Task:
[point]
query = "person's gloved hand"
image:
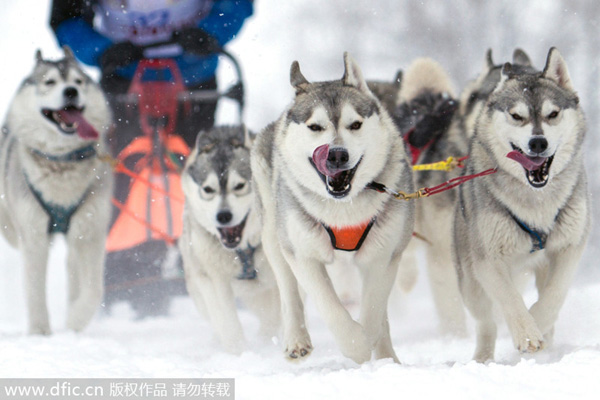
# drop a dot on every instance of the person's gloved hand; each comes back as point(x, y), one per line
point(196, 41)
point(120, 55)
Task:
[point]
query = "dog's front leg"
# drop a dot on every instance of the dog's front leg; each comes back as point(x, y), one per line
point(378, 279)
point(494, 276)
point(85, 265)
point(349, 334)
point(553, 290)
point(444, 287)
point(35, 255)
point(220, 304)
point(296, 340)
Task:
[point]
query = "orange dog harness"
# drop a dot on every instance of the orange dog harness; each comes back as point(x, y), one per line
point(349, 238)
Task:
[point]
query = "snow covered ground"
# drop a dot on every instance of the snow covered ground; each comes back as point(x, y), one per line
point(182, 344)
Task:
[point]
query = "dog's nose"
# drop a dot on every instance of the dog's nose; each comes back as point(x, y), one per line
point(538, 145)
point(224, 217)
point(70, 92)
point(337, 158)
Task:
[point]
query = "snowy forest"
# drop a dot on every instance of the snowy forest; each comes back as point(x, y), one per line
point(383, 36)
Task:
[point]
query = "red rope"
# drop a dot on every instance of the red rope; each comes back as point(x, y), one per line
point(120, 168)
point(452, 183)
point(167, 238)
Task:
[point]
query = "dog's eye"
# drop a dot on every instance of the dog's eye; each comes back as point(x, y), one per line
point(315, 127)
point(208, 190)
point(552, 115)
point(355, 126)
point(516, 117)
point(50, 82)
point(78, 81)
point(239, 186)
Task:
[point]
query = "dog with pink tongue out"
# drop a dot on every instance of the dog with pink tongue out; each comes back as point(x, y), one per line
point(53, 183)
point(312, 170)
point(532, 217)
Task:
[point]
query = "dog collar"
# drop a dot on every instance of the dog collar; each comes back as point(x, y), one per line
point(76, 155)
point(349, 238)
point(538, 237)
point(247, 259)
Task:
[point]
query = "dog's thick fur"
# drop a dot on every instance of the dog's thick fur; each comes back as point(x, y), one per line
point(298, 200)
point(490, 248)
point(31, 166)
point(425, 109)
point(219, 220)
point(431, 120)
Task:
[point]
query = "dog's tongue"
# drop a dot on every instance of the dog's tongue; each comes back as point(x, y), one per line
point(320, 159)
point(84, 129)
point(530, 164)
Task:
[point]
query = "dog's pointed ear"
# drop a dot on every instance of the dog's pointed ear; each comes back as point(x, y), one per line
point(353, 75)
point(521, 58)
point(505, 75)
point(556, 69)
point(489, 61)
point(199, 138)
point(38, 56)
point(201, 145)
point(298, 80)
point(68, 53)
point(248, 138)
point(398, 79)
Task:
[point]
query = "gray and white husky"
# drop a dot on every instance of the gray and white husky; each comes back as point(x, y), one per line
point(435, 126)
point(220, 242)
point(533, 214)
point(313, 169)
point(53, 182)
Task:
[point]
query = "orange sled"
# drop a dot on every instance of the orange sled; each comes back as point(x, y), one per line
point(142, 239)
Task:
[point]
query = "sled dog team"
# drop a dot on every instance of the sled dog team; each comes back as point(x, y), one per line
point(266, 213)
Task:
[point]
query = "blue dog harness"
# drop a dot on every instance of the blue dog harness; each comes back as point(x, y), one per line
point(538, 237)
point(247, 260)
point(60, 216)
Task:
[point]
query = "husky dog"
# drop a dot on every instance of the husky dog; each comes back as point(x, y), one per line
point(53, 182)
point(426, 106)
point(433, 124)
point(534, 213)
point(220, 242)
point(313, 169)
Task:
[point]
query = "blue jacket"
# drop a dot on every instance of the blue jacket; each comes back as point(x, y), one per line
point(72, 22)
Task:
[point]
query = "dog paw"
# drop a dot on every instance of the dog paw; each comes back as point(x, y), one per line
point(298, 350)
point(234, 348)
point(355, 345)
point(40, 330)
point(530, 343)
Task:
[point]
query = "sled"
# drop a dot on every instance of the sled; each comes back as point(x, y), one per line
point(144, 264)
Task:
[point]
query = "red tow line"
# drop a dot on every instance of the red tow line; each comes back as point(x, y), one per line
point(426, 192)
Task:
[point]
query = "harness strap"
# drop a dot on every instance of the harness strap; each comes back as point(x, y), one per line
point(60, 217)
point(538, 237)
point(349, 238)
point(247, 258)
point(76, 155)
point(426, 192)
